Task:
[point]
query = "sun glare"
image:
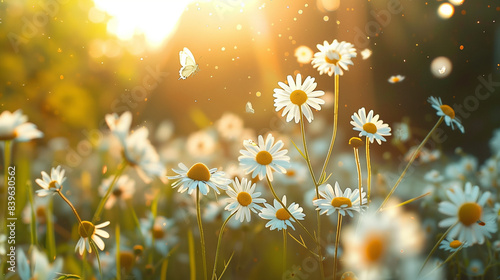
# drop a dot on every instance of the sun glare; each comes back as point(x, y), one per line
point(154, 19)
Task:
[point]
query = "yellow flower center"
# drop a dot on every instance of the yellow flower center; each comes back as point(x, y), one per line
point(264, 158)
point(395, 79)
point(244, 199)
point(370, 127)
point(127, 260)
point(332, 61)
point(138, 249)
point(356, 142)
point(469, 213)
point(447, 110)
point(339, 201)
point(455, 244)
point(282, 214)
point(52, 185)
point(86, 229)
point(9, 136)
point(298, 97)
point(157, 232)
point(199, 172)
point(374, 248)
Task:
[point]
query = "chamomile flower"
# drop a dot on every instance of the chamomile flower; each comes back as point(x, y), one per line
point(141, 155)
point(334, 57)
point(243, 199)
point(466, 208)
point(51, 184)
point(88, 230)
point(199, 176)
point(279, 217)
point(264, 158)
point(452, 245)
point(230, 126)
point(119, 125)
point(304, 54)
point(298, 96)
point(14, 126)
point(370, 126)
point(396, 79)
point(160, 229)
point(123, 190)
point(447, 112)
point(344, 202)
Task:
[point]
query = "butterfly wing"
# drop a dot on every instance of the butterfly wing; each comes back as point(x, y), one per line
point(189, 66)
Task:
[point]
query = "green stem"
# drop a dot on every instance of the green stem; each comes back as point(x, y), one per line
point(288, 211)
point(34, 238)
point(118, 268)
point(50, 237)
point(335, 121)
point(134, 216)
point(202, 236)
point(218, 244)
point(284, 251)
point(435, 246)
point(308, 160)
point(413, 157)
point(164, 266)
point(358, 168)
point(337, 238)
point(369, 169)
point(97, 214)
point(71, 206)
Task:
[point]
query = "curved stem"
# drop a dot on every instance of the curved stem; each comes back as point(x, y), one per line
point(288, 211)
point(108, 192)
point(335, 121)
point(413, 157)
point(435, 246)
point(369, 169)
point(70, 205)
point(202, 236)
point(309, 165)
point(358, 168)
point(218, 244)
point(337, 239)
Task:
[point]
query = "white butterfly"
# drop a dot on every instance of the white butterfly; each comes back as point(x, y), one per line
point(189, 66)
point(249, 108)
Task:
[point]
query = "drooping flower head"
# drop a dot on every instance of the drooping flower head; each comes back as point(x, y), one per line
point(370, 126)
point(298, 96)
point(243, 199)
point(334, 57)
point(199, 176)
point(14, 126)
point(444, 110)
point(51, 184)
point(279, 217)
point(466, 208)
point(336, 200)
point(88, 230)
point(264, 158)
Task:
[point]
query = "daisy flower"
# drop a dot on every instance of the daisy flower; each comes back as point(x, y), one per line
point(201, 144)
point(141, 155)
point(344, 202)
point(88, 230)
point(119, 125)
point(42, 268)
point(447, 112)
point(279, 217)
point(243, 199)
point(396, 79)
point(160, 229)
point(14, 126)
point(366, 53)
point(297, 95)
point(332, 58)
point(230, 126)
point(199, 176)
point(53, 183)
point(451, 245)
point(123, 190)
point(264, 158)
point(370, 126)
point(304, 54)
point(466, 209)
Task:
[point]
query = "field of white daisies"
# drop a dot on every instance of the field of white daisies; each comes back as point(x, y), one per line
point(273, 206)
